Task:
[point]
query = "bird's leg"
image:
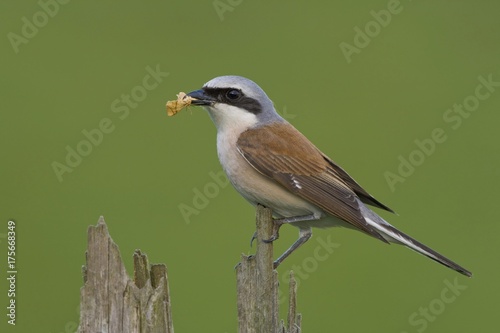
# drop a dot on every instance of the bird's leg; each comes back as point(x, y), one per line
point(304, 235)
point(279, 222)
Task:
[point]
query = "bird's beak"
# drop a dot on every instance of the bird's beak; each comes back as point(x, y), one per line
point(200, 98)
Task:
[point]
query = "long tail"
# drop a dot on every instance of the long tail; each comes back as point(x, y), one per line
point(394, 235)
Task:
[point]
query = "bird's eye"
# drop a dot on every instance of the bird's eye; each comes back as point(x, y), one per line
point(233, 94)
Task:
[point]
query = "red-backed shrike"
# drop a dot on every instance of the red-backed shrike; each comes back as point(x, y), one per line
point(271, 163)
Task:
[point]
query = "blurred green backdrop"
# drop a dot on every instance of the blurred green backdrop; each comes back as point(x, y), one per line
point(363, 80)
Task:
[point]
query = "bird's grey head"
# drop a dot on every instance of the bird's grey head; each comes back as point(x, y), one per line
point(235, 101)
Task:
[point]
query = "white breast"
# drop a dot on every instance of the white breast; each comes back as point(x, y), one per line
point(252, 185)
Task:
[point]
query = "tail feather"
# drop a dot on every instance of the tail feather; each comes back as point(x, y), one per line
point(394, 235)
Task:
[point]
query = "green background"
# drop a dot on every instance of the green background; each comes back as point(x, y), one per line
point(363, 114)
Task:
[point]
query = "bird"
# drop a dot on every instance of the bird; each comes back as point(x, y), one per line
point(270, 163)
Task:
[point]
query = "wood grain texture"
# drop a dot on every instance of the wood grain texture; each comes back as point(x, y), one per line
point(113, 302)
point(257, 287)
point(110, 301)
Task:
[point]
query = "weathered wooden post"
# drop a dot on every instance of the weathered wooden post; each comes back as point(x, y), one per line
point(257, 287)
point(110, 301)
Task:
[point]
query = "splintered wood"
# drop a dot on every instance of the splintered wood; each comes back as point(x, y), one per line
point(110, 301)
point(182, 101)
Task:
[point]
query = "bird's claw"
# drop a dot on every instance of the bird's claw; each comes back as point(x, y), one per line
point(271, 239)
point(276, 234)
point(276, 227)
point(254, 237)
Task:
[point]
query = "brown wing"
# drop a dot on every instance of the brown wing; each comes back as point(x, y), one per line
point(283, 154)
point(360, 192)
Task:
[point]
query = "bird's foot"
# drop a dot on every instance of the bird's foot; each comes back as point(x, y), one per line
point(277, 223)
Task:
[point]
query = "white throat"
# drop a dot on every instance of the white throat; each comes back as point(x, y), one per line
point(231, 120)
